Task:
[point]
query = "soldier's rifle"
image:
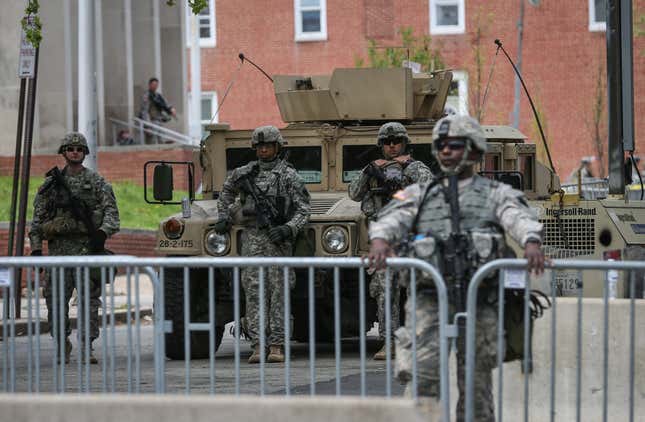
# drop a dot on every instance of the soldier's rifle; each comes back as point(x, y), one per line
point(267, 214)
point(79, 208)
point(456, 247)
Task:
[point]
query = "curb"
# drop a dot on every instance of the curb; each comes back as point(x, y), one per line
point(22, 325)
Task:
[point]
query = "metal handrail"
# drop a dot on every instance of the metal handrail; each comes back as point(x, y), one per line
point(146, 127)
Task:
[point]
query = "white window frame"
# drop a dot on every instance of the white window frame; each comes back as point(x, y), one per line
point(212, 95)
point(594, 25)
point(310, 36)
point(436, 29)
point(203, 42)
point(461, 77)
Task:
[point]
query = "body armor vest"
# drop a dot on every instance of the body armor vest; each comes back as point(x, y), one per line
point(477, 218)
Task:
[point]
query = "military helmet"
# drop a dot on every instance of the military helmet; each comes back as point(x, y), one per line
point(267, 135)
point(392, 130)
point(454, 126)
point(74, 139)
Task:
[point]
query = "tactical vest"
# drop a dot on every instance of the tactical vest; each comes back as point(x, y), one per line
point(396, 176)
point(477, 220)
point(269, 184)
point(60, 220)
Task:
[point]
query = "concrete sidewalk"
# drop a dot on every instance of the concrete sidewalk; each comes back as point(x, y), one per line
point(120, 309)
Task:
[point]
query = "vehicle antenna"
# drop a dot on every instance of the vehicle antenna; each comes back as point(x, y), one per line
point(490, 77)
point(537, 119)
point(243, 57)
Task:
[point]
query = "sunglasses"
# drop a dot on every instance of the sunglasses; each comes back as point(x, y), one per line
point(75, 149)
point(452, 144)
point(392, 141)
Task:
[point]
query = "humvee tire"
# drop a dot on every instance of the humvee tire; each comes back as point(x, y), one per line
point(174, 312)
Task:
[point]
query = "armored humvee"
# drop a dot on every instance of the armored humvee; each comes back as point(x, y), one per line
point(332, 122)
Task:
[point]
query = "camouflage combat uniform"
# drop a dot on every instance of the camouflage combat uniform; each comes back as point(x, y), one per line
point(54, 222)
point(279, 182)
point(362, 189)
point(481, 202)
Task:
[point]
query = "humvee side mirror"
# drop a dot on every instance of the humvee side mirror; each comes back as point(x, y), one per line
point(163, 181)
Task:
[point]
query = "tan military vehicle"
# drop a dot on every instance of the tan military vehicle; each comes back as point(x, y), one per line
point(332, 123)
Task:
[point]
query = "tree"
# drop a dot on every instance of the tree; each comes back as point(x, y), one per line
point(417, 49)
point(481, 24)
point(33, 26)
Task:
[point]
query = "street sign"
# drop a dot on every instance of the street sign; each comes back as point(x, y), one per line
point(27, 61)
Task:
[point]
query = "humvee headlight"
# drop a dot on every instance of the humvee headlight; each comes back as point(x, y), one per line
point(217, 244)
point(334, 239)
point(173, 228)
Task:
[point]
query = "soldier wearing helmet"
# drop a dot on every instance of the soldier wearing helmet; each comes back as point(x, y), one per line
point(273, 206)
point(75, 212)
point(488, 210)
point(374, 188)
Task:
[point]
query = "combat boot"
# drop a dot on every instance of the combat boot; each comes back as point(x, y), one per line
point(93, 360)
point(68, 350)
point(255, 357)
point(382, 354)
point(276, 355)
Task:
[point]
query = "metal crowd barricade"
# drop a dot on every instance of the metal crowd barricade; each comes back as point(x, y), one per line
point(236, 264)
point(47, 355)
point(156, 269)
point(520, 264)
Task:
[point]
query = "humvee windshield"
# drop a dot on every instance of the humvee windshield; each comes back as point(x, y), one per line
point(355, 157)
point(306, 160)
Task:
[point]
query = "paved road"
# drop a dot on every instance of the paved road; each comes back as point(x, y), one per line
point(127, 377)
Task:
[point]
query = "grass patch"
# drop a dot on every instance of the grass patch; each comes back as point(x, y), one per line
point(135, 213)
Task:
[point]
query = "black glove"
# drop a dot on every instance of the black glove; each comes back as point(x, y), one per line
point(37, 252)
point(374, 171)
point(222, 226)
point(280, 233)
point(97, 241)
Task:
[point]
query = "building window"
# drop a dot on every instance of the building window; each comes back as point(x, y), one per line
point(457, 101)
point(206, 20)
point(209, 108)
point(310, 20)
point(447, 17)
point(597, 15)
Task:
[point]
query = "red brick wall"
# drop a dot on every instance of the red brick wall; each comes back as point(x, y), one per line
point(116, 164)
point(125, 242)
point(560, 59)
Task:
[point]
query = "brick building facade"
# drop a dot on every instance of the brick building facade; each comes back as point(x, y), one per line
point(564, 56)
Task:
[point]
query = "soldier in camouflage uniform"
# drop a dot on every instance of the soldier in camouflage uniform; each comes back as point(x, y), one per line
point(273, 207)
point(488, 209)
point(54, 221)
point(374, 188)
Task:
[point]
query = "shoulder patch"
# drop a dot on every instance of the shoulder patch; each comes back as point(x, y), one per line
point(401, 195)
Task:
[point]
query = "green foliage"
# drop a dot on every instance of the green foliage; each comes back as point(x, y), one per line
point(135, 213)
point(195, 5)
point(417, 49)
point(639, 25)
point(31, 24)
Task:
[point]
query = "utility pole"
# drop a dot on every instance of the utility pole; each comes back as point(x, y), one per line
point(87, 121)
point(620, 93)
point(518, 64)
